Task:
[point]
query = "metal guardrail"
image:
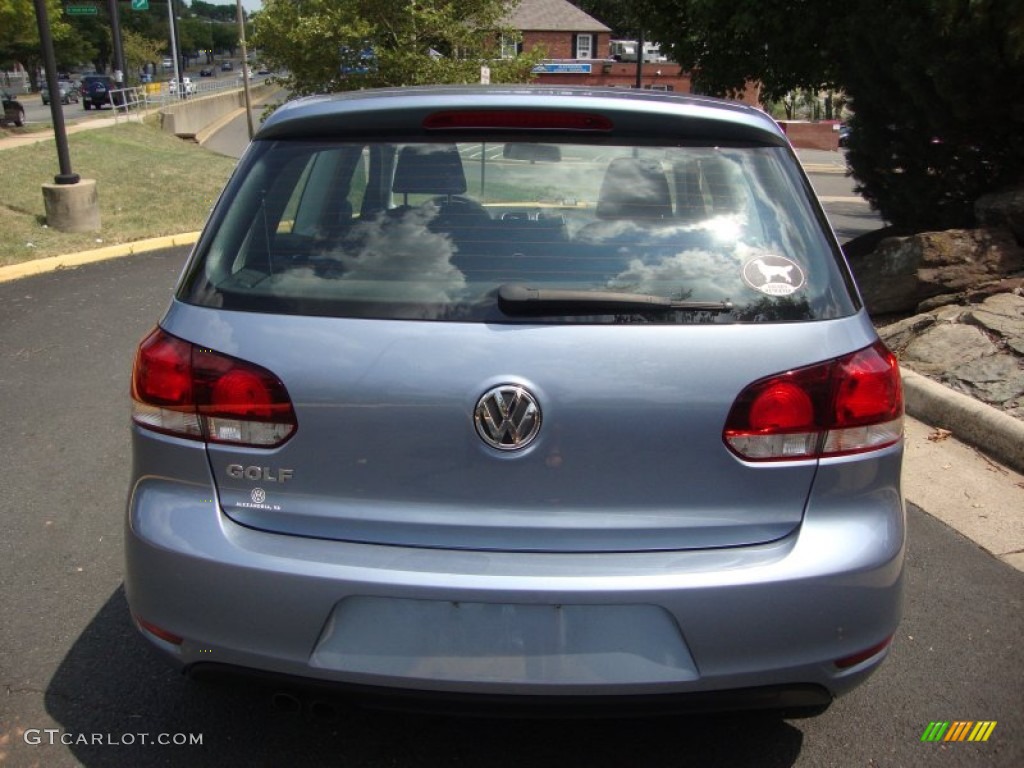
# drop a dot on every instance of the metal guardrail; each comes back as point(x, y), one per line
point(131, 103)
point(165, 92)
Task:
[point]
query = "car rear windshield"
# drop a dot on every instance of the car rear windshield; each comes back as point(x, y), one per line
point(486, 231)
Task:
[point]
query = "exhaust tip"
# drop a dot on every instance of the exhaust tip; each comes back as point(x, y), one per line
point(286, 703)
point(323, 710)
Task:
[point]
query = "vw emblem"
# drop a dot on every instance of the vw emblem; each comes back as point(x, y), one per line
point(507, 417)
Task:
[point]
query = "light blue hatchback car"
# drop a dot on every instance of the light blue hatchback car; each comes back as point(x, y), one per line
point(529, 395)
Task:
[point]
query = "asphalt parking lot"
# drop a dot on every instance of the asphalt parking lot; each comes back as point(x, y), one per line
point(78, 687)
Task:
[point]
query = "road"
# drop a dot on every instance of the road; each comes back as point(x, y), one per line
point(36, 112)
point(70, 659)
point(849, 213)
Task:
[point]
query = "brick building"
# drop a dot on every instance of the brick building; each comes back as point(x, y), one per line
point(564, 30)
point(577, 48)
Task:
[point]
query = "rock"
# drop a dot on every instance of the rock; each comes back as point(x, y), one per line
point(1007, 304)
point(898, 335)
point(864, 245)
point(1002, 209)
point(998, 379)
point(1006, 285)
point(1002, 316)
point(947, 347)
point(943, 300)
point(977, 349)
point(905, 271)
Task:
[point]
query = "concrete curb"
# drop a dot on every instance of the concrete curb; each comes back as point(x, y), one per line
point(53, 263)
point(986, 428)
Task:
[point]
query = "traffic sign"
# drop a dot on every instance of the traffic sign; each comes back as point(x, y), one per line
point(81, 10)
point(140, 5)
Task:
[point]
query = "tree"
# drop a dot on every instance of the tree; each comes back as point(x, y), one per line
point(623, 16)
point(19, 33)
point(935, 86)
point(138, 51)
point(225, 36)
point(222, 12)
point(95, 32)
point(337, 45)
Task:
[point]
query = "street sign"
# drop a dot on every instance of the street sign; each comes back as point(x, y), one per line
point(564, 69)
point(81, 10)
point(140, 5)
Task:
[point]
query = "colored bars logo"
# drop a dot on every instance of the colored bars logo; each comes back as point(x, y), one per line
point(959, 730)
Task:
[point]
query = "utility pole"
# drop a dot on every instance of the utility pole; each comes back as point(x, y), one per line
point(245, 68)
point(640, 60)
point(174, 48)
point(115, 32)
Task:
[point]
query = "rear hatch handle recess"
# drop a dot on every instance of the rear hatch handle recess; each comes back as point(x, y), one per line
point(516, 299)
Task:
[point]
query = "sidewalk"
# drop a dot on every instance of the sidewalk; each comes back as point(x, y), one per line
point(971, 493)
point(21, 140)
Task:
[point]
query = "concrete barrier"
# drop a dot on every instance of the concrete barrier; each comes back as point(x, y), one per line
point(187, 118)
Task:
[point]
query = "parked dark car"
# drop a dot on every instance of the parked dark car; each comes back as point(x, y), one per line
point(844, 135)
point(98, 90)
point(14, 112)
point(207, 72)
point(68, 93)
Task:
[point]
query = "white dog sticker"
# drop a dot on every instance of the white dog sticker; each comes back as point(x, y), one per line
point(773, 275)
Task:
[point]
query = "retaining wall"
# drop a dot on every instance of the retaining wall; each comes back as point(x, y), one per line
point(188, 117)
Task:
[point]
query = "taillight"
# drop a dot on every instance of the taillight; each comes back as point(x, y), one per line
point(184, 390)
point(517, 119)
point(847, 405)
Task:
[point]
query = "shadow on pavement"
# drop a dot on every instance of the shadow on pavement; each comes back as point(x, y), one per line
point(110, 687)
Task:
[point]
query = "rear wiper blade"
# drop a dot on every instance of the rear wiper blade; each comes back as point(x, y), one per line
point(515, 299)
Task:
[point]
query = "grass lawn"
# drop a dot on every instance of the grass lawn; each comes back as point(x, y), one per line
point(149, 183)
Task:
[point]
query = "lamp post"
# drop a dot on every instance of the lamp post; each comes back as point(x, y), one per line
point(56, 111)
point(71, 202)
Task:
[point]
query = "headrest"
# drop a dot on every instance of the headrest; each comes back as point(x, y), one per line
point(634, 189)
point(431, 169)
point(707, 187)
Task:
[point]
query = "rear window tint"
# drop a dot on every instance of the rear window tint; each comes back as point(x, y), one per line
point(433, 230)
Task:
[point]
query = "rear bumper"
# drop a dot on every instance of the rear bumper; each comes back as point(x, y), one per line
point(773, 617)
point(323, 698)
